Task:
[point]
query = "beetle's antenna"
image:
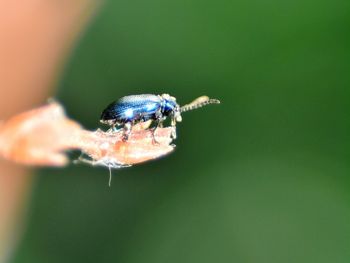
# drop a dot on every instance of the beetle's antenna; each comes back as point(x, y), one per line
point(199, 102)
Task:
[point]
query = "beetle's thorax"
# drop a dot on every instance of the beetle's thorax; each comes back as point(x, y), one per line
point(167, 104)
point(170, 107)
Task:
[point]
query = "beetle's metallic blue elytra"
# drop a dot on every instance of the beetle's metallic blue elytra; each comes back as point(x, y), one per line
point(133, 109)
point(137, 108)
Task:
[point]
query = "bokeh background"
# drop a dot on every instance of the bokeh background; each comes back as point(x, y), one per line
point(264, 177)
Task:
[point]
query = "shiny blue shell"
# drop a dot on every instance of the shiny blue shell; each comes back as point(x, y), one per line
point(137, 108)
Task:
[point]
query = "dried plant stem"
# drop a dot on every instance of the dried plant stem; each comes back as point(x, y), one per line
point(41, 137)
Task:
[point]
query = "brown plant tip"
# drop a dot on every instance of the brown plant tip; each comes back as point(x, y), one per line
point(43, 135)
point(108, 148)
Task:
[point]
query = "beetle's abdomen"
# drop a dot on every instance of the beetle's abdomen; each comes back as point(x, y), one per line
point(132, 108)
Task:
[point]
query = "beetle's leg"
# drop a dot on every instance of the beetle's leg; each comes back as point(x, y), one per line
point(173, 125)
point(154, 140)
point(112, 129)
point(159, 118)
point(127, 131)
point(159, 124)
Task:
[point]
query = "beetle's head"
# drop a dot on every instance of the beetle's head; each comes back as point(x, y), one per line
point(171, 107)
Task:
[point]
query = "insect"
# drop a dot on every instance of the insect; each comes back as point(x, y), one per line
point(133, 109)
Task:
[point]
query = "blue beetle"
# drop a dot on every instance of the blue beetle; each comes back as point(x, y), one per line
point(133, 109)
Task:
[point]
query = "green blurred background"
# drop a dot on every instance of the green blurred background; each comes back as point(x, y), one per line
point(264, 177)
